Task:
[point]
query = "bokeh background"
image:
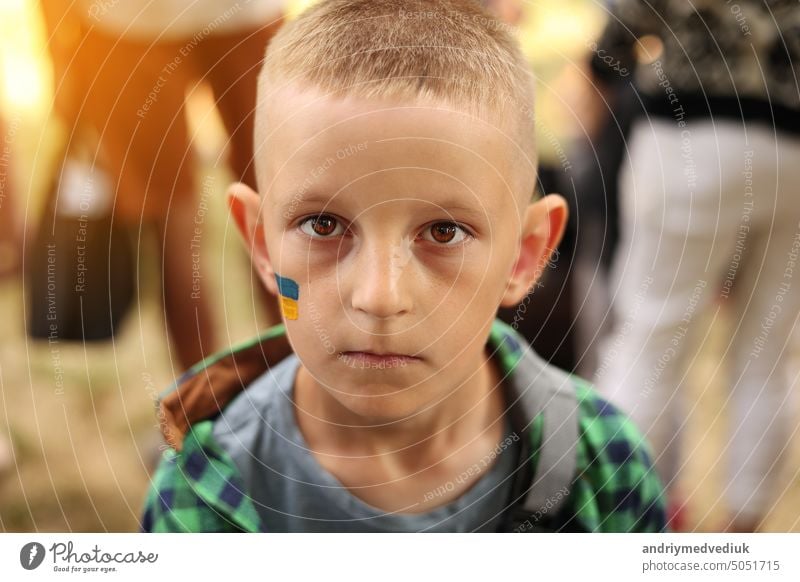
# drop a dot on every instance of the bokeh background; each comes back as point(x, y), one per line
point(78, 421)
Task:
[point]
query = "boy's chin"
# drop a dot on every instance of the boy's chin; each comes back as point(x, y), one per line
point(382, 408)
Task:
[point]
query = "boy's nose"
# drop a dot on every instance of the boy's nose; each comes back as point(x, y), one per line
point(379, 282)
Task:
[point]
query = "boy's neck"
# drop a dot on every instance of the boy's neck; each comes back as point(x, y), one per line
point(474, 410)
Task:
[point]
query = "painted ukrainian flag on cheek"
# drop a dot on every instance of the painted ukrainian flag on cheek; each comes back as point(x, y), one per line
point(289, 293)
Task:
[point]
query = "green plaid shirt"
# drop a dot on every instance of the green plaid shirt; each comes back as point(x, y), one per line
point(615, 489)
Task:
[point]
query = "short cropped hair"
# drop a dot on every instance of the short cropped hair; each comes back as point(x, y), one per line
point(448, 51)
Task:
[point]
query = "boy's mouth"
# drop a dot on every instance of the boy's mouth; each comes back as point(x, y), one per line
point(377, 360)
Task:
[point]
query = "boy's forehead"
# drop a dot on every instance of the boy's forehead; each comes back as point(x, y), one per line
point(310, 135)
point(307, 113)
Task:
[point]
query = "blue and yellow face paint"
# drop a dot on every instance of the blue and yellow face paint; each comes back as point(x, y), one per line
point(289, 293)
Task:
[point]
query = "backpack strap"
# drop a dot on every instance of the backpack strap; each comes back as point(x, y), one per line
point(545, 389)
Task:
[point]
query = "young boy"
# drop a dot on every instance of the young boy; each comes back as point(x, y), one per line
point(395, 152)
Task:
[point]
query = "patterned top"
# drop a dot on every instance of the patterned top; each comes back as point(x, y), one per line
point(736, 59)
point(197, 486)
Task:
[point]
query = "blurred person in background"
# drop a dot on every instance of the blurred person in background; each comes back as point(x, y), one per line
point(709, 215)
point(596, 160)
point(124, 69)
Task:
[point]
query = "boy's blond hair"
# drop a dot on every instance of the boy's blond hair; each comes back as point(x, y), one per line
point(447, 51)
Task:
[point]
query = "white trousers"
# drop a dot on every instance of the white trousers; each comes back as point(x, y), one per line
point(710, 223)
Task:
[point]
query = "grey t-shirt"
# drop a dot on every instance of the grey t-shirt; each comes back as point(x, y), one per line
point(294, 493)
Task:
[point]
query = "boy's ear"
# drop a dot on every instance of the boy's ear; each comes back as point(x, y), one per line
point(542, 228)
point(245, 205)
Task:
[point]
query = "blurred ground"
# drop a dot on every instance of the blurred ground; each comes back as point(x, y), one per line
point(705, 441)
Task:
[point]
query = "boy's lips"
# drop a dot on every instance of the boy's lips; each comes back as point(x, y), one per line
point(387, 359)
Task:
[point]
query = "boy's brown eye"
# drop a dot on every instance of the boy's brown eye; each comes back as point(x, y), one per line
point(322, 225)
point(445, 233)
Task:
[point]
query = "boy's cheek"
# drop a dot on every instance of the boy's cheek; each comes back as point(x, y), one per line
point(309, 262)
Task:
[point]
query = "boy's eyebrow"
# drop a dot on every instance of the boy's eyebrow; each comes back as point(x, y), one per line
point(307, 196)
point(476, 213)
point(445, 204)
